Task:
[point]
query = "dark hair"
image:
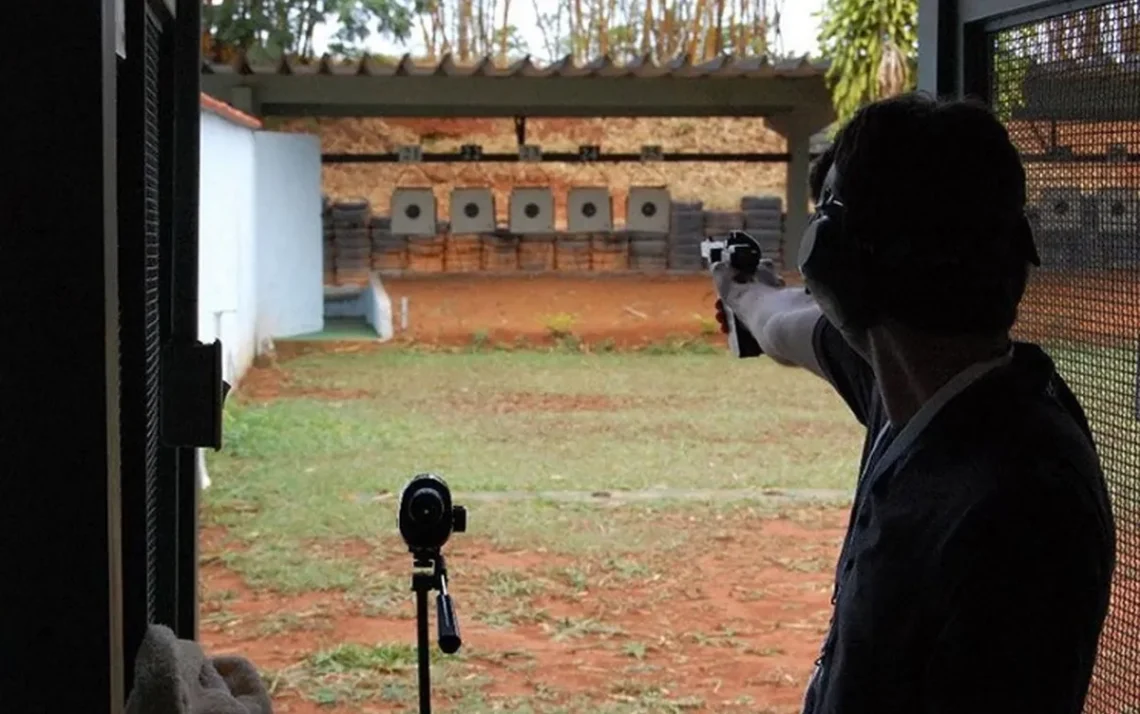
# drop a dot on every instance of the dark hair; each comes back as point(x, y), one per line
point(818, 172)
point(937, 188)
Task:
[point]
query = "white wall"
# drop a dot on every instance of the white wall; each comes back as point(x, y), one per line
point(227, 230)
point(259, 252)
point(290, 288)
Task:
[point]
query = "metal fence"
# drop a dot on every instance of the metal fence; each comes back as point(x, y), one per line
point(1068, 87)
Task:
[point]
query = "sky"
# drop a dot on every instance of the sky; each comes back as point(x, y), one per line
point(798, 25)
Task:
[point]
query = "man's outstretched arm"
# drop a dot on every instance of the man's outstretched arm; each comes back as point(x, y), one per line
point(782, 319)
point(792, 329)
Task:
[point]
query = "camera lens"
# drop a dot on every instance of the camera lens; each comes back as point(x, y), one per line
point(426, 507)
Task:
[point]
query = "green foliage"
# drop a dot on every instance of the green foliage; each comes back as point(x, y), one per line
point(856, 36)
point(560, 324)
point(268, 29)
point(1014, 61)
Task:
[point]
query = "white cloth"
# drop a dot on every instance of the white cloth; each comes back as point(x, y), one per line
point(174, 676)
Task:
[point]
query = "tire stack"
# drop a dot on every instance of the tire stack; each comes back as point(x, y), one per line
point(426, 254)
point(572, 252)
point(500, 252)
point(328, 245)
point(764, 221)
point(389, 252)
point(536, 252)
point(352, 245)
point(686, 221)
point(609, 252)
point(648, 252)
point(719, 223)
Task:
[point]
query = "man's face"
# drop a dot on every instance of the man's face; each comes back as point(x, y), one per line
point(856, 337)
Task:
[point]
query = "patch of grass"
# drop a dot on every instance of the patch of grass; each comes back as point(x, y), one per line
point(281, 622)
point(559, 324)
point(352, 672)
point(637, 650)
point(708, 325)
point(298, 475)
point(480, 339)
point(569, 628)
point(282, 566)
point(352, 657)
point(605, 345)
point(511, 584)
point(682, 345)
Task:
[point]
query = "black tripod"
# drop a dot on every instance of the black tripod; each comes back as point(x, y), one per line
point(427, 518)
point(430, 573)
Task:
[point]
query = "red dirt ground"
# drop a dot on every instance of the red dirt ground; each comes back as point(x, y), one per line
point(628, 310)
point(742, 615)
point(632, 311)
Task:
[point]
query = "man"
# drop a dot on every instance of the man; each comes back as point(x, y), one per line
point(975, 574)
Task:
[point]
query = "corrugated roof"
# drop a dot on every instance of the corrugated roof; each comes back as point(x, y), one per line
point(681, 67)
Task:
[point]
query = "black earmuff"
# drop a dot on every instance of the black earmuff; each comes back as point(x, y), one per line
point(834, 263)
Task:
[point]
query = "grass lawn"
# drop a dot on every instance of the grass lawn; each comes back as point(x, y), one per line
point(624, 553)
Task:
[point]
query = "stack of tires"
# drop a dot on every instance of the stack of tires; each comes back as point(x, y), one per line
point(572, 252)
point(352, 245)
point(764, 221)
point(686, 222)
point(648, 252)
point(719, 223)
point(389, 252)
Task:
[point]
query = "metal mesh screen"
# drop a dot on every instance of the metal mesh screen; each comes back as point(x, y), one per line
point(151, 327)
point(1069, 90)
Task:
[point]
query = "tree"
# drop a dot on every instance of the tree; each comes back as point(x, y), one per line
point(873, 49)
point(661, 29)
point(269, 29)
point(624, 30)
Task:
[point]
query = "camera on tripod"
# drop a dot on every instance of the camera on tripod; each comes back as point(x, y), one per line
point(427, 518)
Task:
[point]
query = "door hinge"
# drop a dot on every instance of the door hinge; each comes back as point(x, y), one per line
point(193, 394)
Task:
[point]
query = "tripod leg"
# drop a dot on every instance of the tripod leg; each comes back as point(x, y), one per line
point(424, 645)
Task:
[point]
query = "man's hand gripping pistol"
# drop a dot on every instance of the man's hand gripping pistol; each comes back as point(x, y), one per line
point(742, 253)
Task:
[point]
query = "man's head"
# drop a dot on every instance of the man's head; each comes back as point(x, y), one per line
point(935, 192)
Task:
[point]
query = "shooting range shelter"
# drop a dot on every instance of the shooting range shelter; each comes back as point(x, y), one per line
point(99, 285)
point(791, 97)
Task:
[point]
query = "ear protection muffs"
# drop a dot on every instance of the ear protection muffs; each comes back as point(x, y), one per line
point(837, 267)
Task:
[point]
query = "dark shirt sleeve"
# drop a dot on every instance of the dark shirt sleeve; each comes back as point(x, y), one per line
point(1026, 594)
point(845, 368)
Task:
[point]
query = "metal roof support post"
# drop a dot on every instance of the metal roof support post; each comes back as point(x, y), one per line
point(797, 129)
point(796, 189)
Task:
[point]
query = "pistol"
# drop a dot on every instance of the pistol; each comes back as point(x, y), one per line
point(742, 252)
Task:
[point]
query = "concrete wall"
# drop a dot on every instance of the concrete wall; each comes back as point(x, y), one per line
point(259, 256)
point(290, 290)
point(227, 220)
